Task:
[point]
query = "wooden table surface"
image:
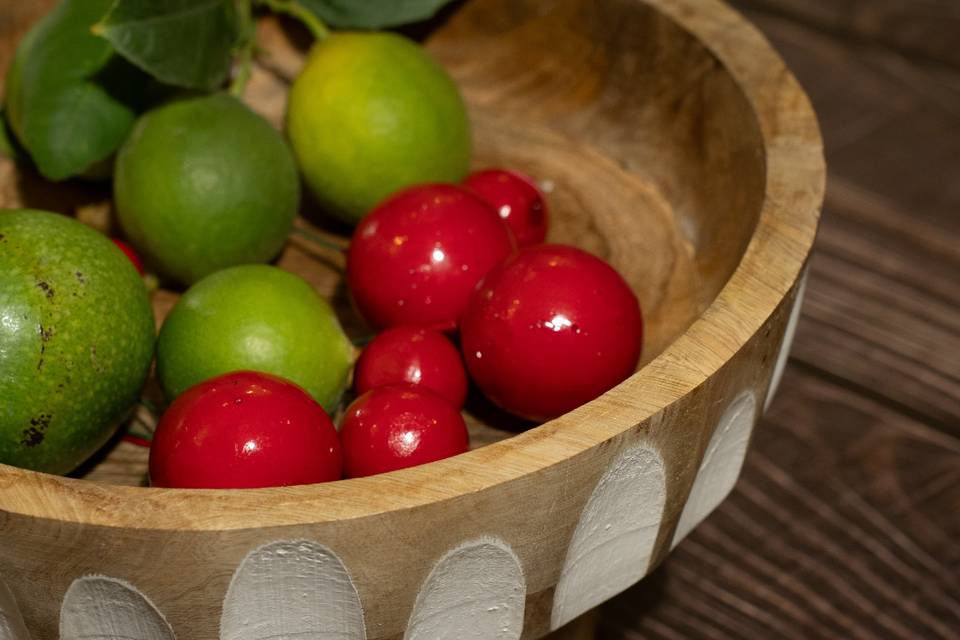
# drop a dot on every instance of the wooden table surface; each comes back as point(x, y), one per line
point(846, 520)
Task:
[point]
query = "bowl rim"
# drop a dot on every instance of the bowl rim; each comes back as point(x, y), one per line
point(772, 262)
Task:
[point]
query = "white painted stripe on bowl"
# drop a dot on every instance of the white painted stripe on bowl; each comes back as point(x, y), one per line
point(784, 353)
point(292, 589)
point(477, 591)
point(614, 541)
point(12, 626)
point(104, 608)
point(721, 463)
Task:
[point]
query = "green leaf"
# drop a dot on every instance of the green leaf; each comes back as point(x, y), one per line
point(187, 43)
point(59, 103)
point(372, 14)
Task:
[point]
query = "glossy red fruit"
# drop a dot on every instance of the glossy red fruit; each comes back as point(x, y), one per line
point(417, 256)
point(130, 253)
point(415, 356)
point(241, 430)
point(391, 428)
point(517, 200)
point(550, 329)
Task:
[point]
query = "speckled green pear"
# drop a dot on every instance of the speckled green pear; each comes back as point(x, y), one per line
point(76, 340)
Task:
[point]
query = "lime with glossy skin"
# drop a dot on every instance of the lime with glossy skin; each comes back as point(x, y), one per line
point(205, 183)
point(76, 340)
point(371, 113)
point(254, 318)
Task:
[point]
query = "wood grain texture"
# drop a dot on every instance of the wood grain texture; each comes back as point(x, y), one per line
point(845, 521)
point(681, 149)
point(922, 28)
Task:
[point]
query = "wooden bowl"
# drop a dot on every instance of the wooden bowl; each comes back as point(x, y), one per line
point(674, 143)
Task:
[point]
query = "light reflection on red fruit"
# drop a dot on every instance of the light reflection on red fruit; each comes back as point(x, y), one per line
point(550, 329)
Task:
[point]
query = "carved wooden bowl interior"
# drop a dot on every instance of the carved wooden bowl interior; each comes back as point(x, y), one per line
point(672, 142)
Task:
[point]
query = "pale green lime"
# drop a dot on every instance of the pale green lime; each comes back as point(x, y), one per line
point(371, 113)
point(257, 318)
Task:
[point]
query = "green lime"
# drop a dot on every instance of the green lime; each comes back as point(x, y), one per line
point(257, 318)
point(76, 340)
point(205, 183)
point(371, 113)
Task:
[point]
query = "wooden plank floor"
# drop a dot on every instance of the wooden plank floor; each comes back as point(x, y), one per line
point(846, 521)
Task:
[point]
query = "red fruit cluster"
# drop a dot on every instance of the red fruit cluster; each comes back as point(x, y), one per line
point(249, 429)
point(542, 329)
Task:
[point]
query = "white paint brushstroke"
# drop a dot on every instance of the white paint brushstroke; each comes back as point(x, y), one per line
point(477, 591)
point(103, 608)
point(784, 353)
point(12, 626)
point(292, 589)
point(721, 463)
point(613, 543)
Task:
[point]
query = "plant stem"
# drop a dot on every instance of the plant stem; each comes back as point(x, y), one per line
point(154, 410)
point(296, 10)
point(248, 32)
point(137, 440)
point(363, 341)
point(244, 68)
point(317, 239)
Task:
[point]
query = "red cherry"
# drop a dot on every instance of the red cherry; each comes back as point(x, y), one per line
point(550, 329)
point(130, 253)
point(414, 356)
point(417, 256)
point(391, 428)
point(244, 429)
point(517, 199)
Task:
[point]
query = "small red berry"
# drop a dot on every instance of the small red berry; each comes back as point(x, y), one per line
point(550, 329)
point(414, 356)
point(518, 201)
point(244, 429)
point(391, 428)
point(417, 256)
point(130, 253)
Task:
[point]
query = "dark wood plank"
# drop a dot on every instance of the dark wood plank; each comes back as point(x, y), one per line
point(923, 28)
point(883, 308)
point(845, 521)
point(844, 524)
point(882, 311)
point(889, 124)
